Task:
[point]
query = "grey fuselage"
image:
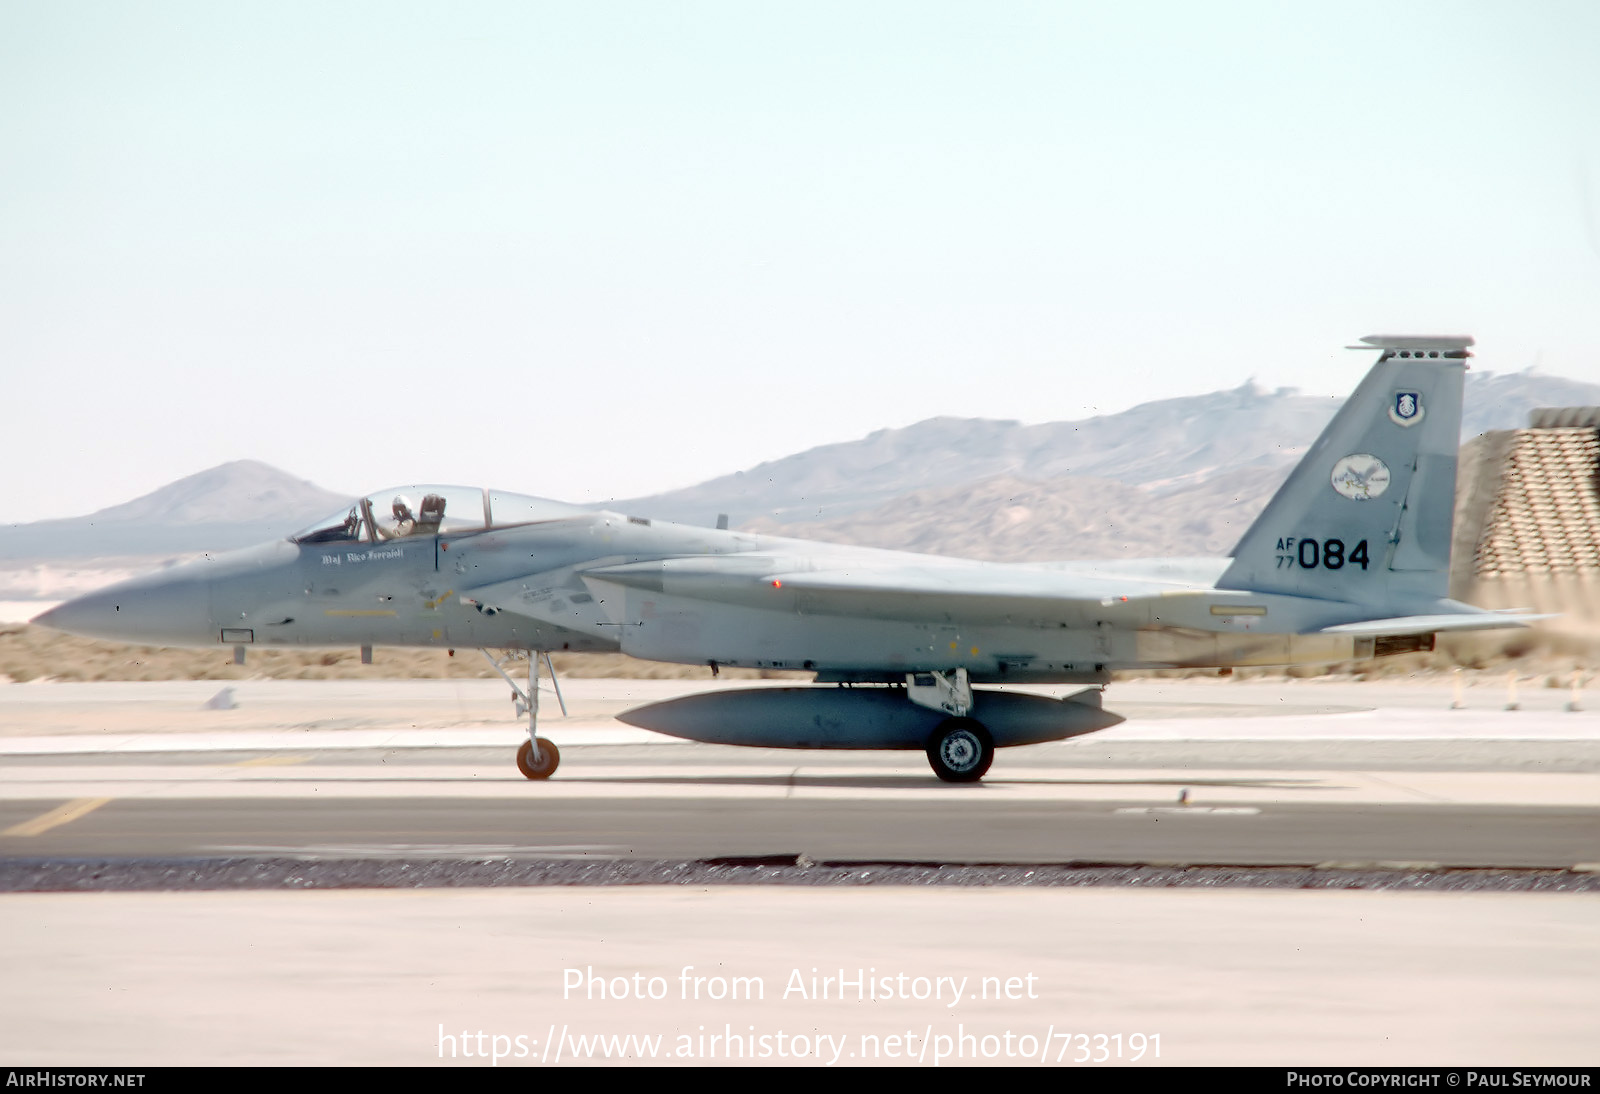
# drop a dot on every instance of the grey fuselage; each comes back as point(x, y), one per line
point(535, 586)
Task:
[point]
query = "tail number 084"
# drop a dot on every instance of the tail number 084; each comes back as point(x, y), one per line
point(1327, 554)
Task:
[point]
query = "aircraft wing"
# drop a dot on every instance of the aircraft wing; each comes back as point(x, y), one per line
point(978, 594)
point(970, 593)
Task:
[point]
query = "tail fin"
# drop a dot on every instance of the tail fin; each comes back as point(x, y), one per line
point(1366, 516)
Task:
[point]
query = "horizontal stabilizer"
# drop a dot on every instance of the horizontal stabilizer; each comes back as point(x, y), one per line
point(1425, 624)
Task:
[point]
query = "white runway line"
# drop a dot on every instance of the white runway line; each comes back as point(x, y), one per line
point(902, 780)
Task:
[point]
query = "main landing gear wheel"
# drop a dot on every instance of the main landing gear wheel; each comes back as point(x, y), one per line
point(960, 750)
point(549, 759)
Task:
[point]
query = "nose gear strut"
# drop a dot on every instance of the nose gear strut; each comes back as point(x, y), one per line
point(538, 757)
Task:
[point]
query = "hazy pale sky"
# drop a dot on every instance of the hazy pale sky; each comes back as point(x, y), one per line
point(594, 250)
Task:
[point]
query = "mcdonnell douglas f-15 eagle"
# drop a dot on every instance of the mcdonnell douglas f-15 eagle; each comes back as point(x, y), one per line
point(1350, 559)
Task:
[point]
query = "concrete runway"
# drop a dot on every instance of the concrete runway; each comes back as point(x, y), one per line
point(1302, 772)
point(845, 815)
point(1242, 774)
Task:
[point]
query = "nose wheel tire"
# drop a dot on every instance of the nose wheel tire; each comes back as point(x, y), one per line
point(960, 750)
point(549, 759)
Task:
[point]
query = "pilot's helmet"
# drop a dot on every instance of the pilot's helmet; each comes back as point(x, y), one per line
point(402, 507)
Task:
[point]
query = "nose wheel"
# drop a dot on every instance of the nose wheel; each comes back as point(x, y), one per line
point(542, 768)
point(960, 750)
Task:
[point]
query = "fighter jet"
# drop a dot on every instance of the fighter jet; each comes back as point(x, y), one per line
point(1349, 560)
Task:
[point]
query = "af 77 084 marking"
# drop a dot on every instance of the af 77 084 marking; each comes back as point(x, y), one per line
point(1308, 553)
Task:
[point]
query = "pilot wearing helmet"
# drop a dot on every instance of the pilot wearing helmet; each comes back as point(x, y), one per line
point(405, 522)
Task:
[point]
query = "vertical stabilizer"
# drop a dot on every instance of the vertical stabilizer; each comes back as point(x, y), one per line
point(1366, 515)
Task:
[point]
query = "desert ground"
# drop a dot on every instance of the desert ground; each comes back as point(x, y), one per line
point(1535, 657)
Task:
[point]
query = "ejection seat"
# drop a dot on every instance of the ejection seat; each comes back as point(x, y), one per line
point(430, 515)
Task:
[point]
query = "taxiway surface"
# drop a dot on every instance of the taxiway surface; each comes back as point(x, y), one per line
point(364, 774)
point(1249, 774)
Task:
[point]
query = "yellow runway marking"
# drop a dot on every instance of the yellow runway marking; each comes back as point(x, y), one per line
point(271, 761)
point(61, 814)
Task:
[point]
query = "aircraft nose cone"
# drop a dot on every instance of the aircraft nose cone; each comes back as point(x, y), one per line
point(161, 609)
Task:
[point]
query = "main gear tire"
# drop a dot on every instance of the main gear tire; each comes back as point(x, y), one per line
point(960, 750)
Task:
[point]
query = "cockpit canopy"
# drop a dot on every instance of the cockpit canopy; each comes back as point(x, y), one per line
point(425, 510)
